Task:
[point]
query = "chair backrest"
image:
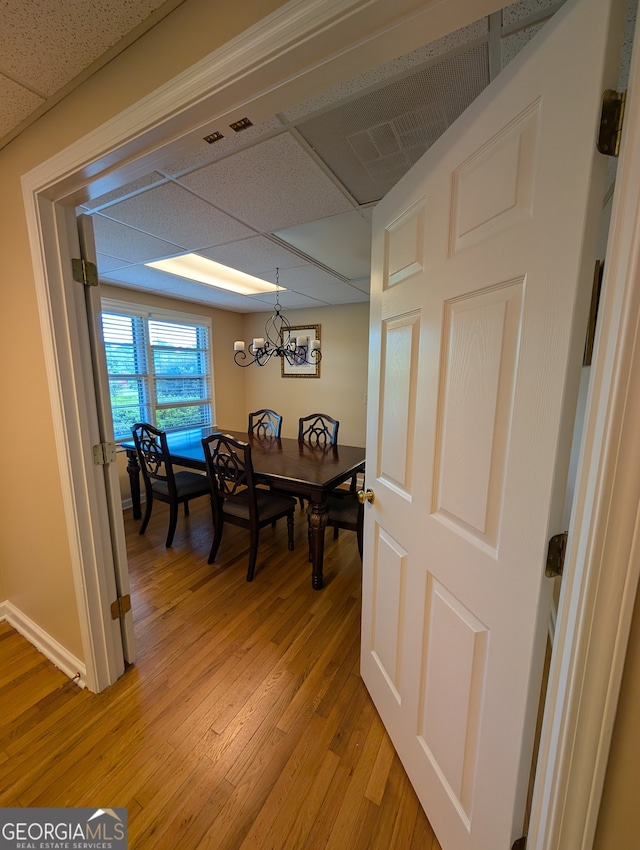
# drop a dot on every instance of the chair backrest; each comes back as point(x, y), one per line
point(265, 423)
point(318, 429)
point(153, 455)
point(230, 470)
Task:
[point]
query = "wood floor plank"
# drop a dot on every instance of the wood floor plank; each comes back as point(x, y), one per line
point(380, 771)
point(243, 725)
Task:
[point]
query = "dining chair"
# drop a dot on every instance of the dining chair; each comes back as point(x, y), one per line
point(236, 499)
point(344, 510)
point(161, 482)
point(318, 429)
point(265, 423)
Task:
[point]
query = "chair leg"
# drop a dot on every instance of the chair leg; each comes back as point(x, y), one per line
point(253, 554)
point(147, 514)
point(290, 530)
point(217, 537)
point(359, 536)
point(186, 507)
point(173, 521)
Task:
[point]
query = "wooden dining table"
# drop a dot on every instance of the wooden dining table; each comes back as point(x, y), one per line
point(311, 472)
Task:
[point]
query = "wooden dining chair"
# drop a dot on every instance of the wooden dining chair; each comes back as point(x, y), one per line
point(344, 510)
point(236, 499)
point(318, 429)
point(265, 423)
point(160, 480)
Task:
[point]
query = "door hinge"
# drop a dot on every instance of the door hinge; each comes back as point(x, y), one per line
point(120, 607)
point(84, 272)
point(555, 555)
point(520, 844)
point(104, 454)
point(611, 119)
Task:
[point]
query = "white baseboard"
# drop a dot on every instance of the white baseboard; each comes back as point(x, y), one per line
point(44, 643)
point(128, 503)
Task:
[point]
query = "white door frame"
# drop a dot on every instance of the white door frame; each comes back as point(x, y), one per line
point(603, 564)
point(594, 614)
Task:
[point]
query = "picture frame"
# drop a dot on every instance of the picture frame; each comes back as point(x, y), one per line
point(301, 370)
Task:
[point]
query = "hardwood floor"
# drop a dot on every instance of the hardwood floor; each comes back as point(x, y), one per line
point(244, 722)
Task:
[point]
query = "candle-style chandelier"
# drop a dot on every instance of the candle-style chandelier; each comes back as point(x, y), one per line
point(278, 342)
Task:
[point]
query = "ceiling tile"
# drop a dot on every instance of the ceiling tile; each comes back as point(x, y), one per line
point(335, 293)
point(288, 300)
point(513, 44)
point(270, 186)
point(191, 291)
point(17, 104)
point(124, 191)
point(45, 43)
point(127, 243)
point(258, 255)
point(342, 241)
point(523, 9)
point(109, 264)
point(370, 142)
point(178, 216)
point(306, 278)
point(139, 275)
point(364, 284)
point(386, 72)
point(231, 143)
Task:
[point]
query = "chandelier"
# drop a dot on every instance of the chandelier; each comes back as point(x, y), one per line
point(278, 342)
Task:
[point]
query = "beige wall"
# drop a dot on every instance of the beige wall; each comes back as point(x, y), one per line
point(35, 568)
point(339, 391)
point(617, 824)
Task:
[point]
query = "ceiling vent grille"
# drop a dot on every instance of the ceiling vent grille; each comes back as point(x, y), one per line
point(369, 155)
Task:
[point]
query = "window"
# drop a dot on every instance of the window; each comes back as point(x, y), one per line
point(159, 367)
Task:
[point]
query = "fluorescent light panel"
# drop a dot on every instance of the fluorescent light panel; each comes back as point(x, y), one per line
point(195, 267)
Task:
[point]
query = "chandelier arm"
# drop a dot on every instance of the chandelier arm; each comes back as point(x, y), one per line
point(242, 355)
point(277, 342)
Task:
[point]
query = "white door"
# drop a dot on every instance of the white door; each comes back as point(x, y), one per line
point(482, 266)
point(105, 424)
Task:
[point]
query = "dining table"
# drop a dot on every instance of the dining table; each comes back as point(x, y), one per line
point(308, 471)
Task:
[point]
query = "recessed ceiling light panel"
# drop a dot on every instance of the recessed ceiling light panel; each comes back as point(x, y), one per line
point(197, 268)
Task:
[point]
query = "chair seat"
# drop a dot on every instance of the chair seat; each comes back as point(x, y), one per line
point(342, 511)
point(269, 505)
point(187, 484)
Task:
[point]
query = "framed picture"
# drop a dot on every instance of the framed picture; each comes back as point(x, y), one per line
point(299, 369)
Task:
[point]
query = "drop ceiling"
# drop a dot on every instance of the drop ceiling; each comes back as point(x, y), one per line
point(292, 192)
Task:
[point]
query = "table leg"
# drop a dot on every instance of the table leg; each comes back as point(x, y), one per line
point(317, 524)
point(133, 468)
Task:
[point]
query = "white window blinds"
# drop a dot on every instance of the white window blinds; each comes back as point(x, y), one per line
point(159, 370)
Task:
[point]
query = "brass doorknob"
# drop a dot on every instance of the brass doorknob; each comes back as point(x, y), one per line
point(365, 496)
